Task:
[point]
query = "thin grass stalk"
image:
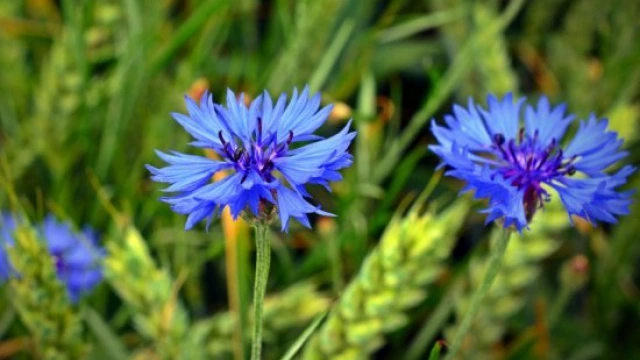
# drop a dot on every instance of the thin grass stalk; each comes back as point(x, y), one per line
point(196, 21)
point(517, 277)
point(434, 323)
point(495, 262)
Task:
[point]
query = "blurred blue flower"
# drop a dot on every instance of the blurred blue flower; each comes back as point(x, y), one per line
point(7, 225)
point(515, 163)
point(257, 144)
point(76, 256)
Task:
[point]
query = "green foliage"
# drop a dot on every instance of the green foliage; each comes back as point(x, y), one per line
point(150, 292)
point(283, 313)
point(508, 295)
point(411, 255)
point(41, 300)
point(492, 68)
point(314, 21)
point(86, 91)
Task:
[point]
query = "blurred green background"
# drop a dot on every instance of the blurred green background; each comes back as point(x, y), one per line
point(86, 88)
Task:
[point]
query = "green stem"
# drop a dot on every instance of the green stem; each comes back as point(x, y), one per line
point(437, 318)
point(333, 241)
point(495, 262)
point(263, 260)
point(559, 305)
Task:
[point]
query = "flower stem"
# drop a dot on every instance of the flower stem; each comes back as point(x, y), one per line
point(495, 262)
point(263, 260)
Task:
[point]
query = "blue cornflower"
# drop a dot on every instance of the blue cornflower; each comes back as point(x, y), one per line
point(257, 144)
point(76, 256)
point(7, 225)
point(515, 163)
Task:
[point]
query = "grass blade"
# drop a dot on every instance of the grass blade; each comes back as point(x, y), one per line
point(109, 341)
point(435, 352)
point(185, 32)
point(321, 73)
point(419, 24)
point(297, 345)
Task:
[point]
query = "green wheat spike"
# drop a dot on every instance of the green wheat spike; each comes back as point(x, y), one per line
point(284, 313)
point(58, 98)
point(539, 19)
point(492, 57)
point(520, 269)
point(102, 37)
point(15, 83)
point(411, 254)
point(571, 56)
point(455, 32)
point(41, 300)
point(492, 72)
point(62, 96)
point(314, 24)
point(150, 292)
point(14, 71)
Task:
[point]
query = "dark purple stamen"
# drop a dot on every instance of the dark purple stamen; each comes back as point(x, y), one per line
point(528, 164)
point(256, 153)
point(58, 261)
point(226, 146)
point(238, 153)
point(259, 134)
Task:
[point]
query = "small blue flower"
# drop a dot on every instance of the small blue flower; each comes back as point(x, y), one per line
point(7, 225)
point(515, 163)
point(257, 143)
point(76, 256)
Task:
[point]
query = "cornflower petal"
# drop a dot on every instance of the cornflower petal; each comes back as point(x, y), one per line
point(595, 148)
point(185, 172)
point(310, 161)
point(502, 117)
point(547, 122)
point(292, 204)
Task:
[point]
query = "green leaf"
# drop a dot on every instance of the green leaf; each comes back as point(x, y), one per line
point(110, 342)
point(293, 349)
point(435, 352)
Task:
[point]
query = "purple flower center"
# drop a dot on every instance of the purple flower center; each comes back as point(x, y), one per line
point(257, 155)
point(528, 163)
